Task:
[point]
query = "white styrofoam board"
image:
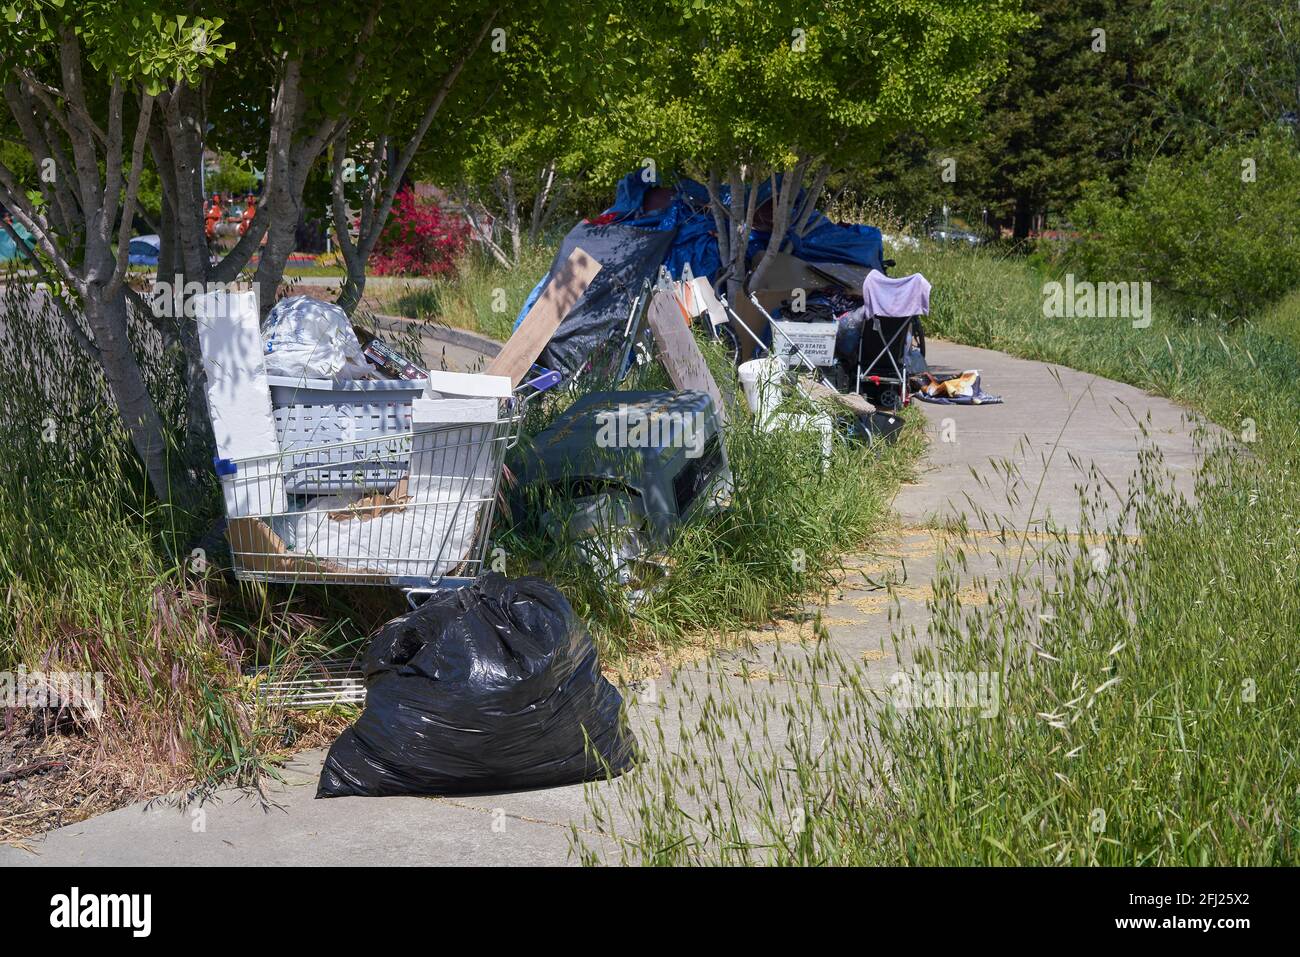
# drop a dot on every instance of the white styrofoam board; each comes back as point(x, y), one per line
point(469, 385)
point(447, 411)
point(239, 399)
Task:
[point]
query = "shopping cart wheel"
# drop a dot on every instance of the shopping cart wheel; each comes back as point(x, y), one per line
point(881, 394)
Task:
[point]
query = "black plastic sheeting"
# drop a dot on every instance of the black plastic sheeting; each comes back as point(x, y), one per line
point(627, 257)
point(492, 687)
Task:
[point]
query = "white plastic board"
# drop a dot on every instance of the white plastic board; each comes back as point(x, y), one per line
point(239, 401)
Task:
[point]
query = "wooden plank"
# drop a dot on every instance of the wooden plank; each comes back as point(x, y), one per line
point(679, 351)
point(820, 392)
point(557, 299)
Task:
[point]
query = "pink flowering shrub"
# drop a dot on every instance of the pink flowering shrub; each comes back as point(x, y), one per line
point(419, 239)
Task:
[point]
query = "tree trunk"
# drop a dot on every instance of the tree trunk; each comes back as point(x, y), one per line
point(784, 194)
point(354, 285)
point(169, 260)
point(543, 203)
point(739, 217)
point(474, 211)
point(508, 202)
point(1022, 218)
point(107, 317)
point(281, 237)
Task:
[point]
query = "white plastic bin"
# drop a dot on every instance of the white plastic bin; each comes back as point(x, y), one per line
point(761, 381)
point(324, 416)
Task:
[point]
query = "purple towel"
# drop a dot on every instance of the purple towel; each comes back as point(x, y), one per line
point(899, 298)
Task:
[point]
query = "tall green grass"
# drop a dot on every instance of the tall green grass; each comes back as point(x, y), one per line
point(1146, 709)
point(97, 576)
point(1147, 692)
point(481, 295)
point(1283, 319)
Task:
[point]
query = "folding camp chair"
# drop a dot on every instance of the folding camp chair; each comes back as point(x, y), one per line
point(893, 309)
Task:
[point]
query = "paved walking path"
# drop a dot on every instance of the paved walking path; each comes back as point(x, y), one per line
point(970, 472)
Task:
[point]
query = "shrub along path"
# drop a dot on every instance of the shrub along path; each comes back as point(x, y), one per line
point(1016, 465)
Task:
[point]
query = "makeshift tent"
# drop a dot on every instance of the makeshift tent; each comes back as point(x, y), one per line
point(628, 257)
point(651, 225)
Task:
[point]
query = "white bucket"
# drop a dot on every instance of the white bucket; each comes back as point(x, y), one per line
point(761, 380)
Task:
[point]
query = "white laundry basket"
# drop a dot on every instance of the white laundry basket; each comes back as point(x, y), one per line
point(333, 432)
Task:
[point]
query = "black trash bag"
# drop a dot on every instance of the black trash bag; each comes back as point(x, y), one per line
point(489, 688)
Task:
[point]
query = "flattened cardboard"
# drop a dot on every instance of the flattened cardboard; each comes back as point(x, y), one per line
point(557, 299)
point(239, 400)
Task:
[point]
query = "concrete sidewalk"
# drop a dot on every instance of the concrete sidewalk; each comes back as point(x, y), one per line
point(1021, 463)
point(1099, 423)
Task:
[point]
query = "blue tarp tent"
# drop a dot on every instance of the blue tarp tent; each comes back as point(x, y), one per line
point(143, 250)
point(688, 219)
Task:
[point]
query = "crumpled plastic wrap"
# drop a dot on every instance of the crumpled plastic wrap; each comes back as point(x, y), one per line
point(310, 339)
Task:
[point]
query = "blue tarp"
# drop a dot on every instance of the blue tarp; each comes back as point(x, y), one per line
point(822, 240)
point(695, 243)
point(828, 242)
point(144, 250)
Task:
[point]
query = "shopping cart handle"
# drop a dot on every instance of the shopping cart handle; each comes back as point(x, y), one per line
point(548, 379)
point(224, 466)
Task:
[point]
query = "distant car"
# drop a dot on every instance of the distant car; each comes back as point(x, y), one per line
point(950, 234)
point(900, 241)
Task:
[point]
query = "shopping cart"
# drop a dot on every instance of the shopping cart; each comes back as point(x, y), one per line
point(410, 506)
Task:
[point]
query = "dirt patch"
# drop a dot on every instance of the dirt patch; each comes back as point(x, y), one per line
point(55, 775)
point(51, 777)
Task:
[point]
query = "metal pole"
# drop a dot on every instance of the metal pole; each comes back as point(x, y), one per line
point(758, 342)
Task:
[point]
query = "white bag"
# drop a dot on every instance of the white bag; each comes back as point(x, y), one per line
point(306, 338)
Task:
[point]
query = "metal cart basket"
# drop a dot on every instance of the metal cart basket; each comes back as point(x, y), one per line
point(414, 508)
